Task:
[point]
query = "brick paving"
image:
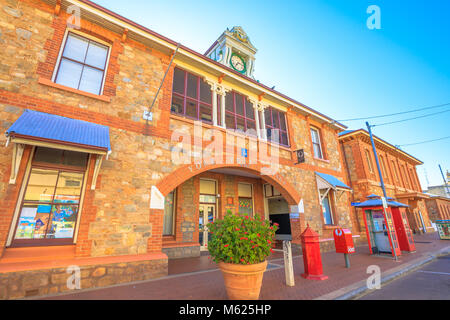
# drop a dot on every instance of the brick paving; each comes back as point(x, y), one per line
point(208, 284)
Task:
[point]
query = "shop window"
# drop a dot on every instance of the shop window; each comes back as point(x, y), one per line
point(82, 65)
point(276, 121)
point(239, 113)
point(169, 214)
point(191, 96)
point(208, 191)
point(317, 144)
point(245, 194)
point(50, 205)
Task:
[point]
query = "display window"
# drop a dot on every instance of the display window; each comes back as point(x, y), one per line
point(51, 202)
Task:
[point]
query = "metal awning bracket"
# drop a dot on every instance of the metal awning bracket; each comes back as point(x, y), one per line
point(16, 159)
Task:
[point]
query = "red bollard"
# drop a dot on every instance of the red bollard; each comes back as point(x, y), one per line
point(312, 261)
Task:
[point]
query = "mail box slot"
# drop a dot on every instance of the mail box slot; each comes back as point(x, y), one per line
point(343, 241)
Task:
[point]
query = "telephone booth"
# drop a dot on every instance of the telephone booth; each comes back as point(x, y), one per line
point(380, 226)
point(401, 223)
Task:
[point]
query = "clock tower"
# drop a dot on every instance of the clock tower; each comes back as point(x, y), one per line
point(234, 49)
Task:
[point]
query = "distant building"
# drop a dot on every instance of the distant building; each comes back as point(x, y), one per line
point(440, 190)
point(399, 175)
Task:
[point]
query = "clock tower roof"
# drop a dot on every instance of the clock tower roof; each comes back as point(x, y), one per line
point(232, 43)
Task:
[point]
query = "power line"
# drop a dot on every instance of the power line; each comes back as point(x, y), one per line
point(398, 113)
point(408, 119)
point(412, 144)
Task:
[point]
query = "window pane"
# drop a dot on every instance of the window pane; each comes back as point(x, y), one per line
point(244, 190)
point(63, 222)
point(41, 185)
point(33, 221)
point(177, 105)
point(191, 109)
point(69, 187)
point(240, 124)
point(283, 138)
point(327, 211)
point(229, 121)
point(75, 47)
point(229, 102)
point(76, 159)
point(245, 206)
point(205, 113)
point(96, 55)
point(317, 151)
point(48, 155)
point(207, 199)
point(267, 117)
point(282, 121)
point(69, 73)
point(169, 202)
point(178, 81)
point(314, 136)
point(249, 111)
point(207, 186)
point(205, 92)
point(251, 126)
point(192, 86)
point(219, 110)
point(275, 122)
point(91, 80)
point(239, 105)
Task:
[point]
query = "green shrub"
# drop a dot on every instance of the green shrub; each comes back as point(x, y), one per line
point(240, 239)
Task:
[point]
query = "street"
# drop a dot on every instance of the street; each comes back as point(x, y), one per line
point(430, 282)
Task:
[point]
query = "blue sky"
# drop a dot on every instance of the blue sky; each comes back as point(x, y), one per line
point(322, 54)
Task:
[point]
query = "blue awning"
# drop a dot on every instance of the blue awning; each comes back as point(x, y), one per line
point(375, 201)
point(332, 181)
point(46, 127)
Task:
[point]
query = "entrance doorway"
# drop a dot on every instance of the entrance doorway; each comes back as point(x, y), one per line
point(206, 215)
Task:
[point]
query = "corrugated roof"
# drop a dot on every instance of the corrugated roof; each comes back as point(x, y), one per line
point(332, 180)
point(375, 201)
point(60, 129)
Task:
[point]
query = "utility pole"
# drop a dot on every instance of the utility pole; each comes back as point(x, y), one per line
point(369, 127)
point(447, 190)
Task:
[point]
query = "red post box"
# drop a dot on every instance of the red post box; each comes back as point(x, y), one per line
point(343, 242)
point(312, 261)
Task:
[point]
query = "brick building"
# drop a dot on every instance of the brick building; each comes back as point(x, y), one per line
point(438, 208)
point(89, 176)
point(399, 175)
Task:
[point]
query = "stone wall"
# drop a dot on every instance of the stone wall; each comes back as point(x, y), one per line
point(21, 284)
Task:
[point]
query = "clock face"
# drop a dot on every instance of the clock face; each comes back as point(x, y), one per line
point(238, 63)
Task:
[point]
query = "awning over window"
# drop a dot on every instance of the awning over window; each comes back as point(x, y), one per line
point(52, 131)
point(39, 128)
point(325, 181)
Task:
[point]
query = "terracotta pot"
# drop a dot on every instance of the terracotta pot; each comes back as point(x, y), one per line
point(243, 281)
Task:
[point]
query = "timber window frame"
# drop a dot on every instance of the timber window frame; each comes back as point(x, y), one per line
point(316, 141)
point(276, 120)
point(191, 96)
point(239, 113)
point(86, 62)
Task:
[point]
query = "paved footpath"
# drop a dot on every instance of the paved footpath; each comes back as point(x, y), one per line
point(208, 284)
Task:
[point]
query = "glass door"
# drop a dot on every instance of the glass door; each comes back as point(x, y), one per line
point(206, 215)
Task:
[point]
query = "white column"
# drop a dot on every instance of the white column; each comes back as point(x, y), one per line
point(222, 92)
point(261, 108)
point(213, 86)
point(256, 111)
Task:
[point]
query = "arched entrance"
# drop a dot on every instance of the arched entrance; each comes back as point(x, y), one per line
point(199, 194)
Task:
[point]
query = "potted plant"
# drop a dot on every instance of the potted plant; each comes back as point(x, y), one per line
point(240, 245)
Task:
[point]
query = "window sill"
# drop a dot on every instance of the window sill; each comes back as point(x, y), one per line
point(323, 160)
point(50, 83)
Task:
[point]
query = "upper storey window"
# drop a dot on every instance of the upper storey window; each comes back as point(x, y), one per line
point(191, 96)
point(276, 120)
point(317, 145)
point(239, 113)
point(82, 65)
